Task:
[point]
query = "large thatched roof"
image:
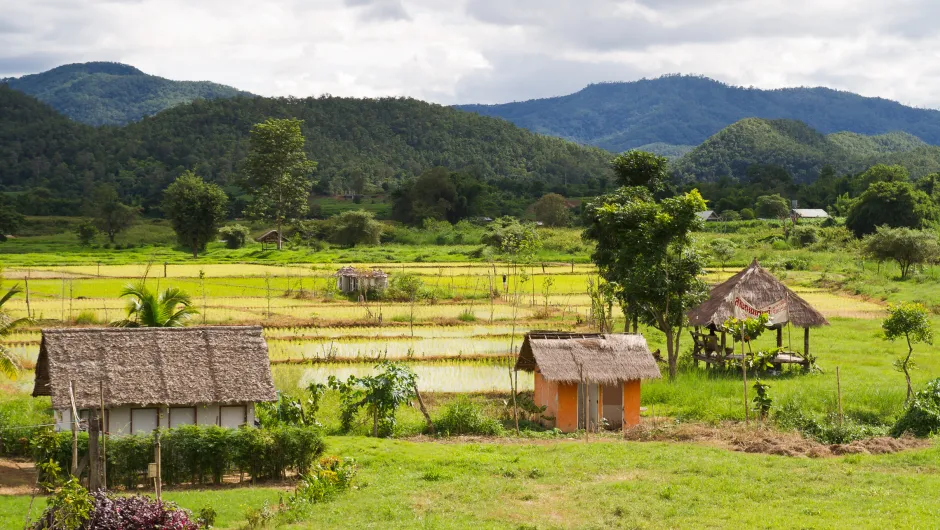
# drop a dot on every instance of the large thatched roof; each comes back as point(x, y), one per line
point(594, 357)
point(761, 289)
point(154, 366)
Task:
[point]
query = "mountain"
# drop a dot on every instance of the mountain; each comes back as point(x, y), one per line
point(686, 110)
point(376, 141)
point(103, 93)
point(801, 150)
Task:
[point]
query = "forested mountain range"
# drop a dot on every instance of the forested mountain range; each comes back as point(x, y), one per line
point(672, 113)
point(801, 150)
point(359, 144)
point(104, 93)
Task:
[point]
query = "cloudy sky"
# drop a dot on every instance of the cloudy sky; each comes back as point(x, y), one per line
point(466, 51)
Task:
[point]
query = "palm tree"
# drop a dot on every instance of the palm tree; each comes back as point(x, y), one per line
point(9, 365)
point(168, 309)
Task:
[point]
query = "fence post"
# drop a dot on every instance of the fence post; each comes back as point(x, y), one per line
point(158, 480)
point(839, 393)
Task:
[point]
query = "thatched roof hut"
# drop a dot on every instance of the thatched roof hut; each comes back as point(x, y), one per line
point(604, 358)
point(350, 279)
point(760, 289)
point(268, 237)
point(154, 366)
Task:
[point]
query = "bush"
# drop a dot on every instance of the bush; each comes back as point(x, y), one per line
point(234, 235)
point(87, 316)
point(747, 214)
point(827, 431)
point(805, 235)
point(463, 416)
point(922, 417)
point(730, 215)
point(114, 512)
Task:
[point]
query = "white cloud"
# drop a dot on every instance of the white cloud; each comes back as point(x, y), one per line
point(486, 50)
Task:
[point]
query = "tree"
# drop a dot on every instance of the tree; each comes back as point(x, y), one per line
point(772, 207)
point(730, 215)
point(382, 395)
point(890, 203)
point(912, 322)
point(9, 365)
point(86, 232)
point(278, 171)
point(905, 246)
point(722, 249)
point(747, 214)
point(506, 234)
point(196, 209)
point(645, 247)
point(168, 309)
point(234, 235)
point(355, 227)
point(639, 168)
point(879, 173)
point(111, 216)
point(408, 286)
point(10, 219)
point(551, 210)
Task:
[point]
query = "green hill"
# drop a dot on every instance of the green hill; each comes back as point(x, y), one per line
point(102, 93)
point(375, 141)
point(801, 150)
point(687, 110)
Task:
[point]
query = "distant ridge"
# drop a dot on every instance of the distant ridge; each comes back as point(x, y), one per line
point(679, 110)
point(106, 93)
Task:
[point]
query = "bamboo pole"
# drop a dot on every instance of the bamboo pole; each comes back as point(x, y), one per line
point(158, 480)
point(74, 429)
point(104, 438)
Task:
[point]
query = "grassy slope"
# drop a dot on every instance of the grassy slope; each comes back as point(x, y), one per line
point(610, 484)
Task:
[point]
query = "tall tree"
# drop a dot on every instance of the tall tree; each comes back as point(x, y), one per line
point(278, 172)
point(110, 214)
point(772, 207)
point(891, 203)
point(10, 219)
point(639, 168)
point(551, 210)
point(645, 247)
point(196, 210)
point(905, 246)
point(355, 227)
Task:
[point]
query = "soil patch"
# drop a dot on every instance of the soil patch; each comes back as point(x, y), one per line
point(17, 477)
point(737, 437)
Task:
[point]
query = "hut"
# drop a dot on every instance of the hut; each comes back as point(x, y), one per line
point(351, 280)
point(809, 213)
point(749, 293)
point(708, 216)
point(155, 377)
point(271, 237)
point(594, 373)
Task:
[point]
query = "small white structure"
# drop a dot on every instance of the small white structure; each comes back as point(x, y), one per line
point(708, 215)
point(351, 280)
point(155, 377)
point(810, 213)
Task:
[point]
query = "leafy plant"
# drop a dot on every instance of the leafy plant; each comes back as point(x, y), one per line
point(234, 235)
point(463, 416)
point(762, 399)
point(168, 309)
point(380, 394)
point(922, 416)
point(9, 364)
point(912, 322)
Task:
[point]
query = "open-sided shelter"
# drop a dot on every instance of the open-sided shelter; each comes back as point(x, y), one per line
point(350, 279)
point(749, 293)
point(268, 238)
point(582, 378)
point(155, 377)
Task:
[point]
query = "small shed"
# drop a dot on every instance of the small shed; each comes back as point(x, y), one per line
point(270, 237)
point(583, 378)
point(708, 216)
point(352, 280)
point(155, 377)
point(810, 213)
point(751, 292)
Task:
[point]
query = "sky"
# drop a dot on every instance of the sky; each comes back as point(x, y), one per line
point(487, 51)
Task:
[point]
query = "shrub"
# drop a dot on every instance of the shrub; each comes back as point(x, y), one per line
point(730, 215)
point(805, 235)
point(827, 431)
point(747, 214)
point(922, 417)
point(234, 235)
point(113, 512)
point(463, 416)
point(467, 316)
point(87, 316)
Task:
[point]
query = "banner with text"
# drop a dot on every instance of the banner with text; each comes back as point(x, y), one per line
point(777, 312)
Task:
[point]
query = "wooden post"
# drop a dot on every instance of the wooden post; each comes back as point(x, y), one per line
point(74, 429)
point(839, 394)
point(780, 337)
point(29, 312)
point(164, 269)
point(104, 439)
point(427, 417)
point(158, 480)
point(747, 414)
point(806, 342)
point(94, 478)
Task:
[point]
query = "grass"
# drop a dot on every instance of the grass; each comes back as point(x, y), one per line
point(606, 484)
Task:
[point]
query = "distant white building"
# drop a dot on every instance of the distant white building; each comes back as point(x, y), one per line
point(708, 215)
point(810, 213)
point(351, 279)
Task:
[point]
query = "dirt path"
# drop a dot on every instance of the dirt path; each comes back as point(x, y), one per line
point(17, 477)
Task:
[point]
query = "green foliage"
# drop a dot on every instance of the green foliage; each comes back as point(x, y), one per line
point(355, 227)
point(912, 322)
point(762, 400)
point(922, 416)
point(804, 235)
point(748, 214)
point(905, 246)
point(170, 308)
point(86, 232)
point(380, 394)
point(442, 195)
point(9, 364)
point(68, 509)
point(291, 410)
point(730, 215)
point(234, 235)
point(10, 219)
point(722, 250)
point(462, 416)
point(639, 168)
point(772, 207)
point(110, 214)
point(278, 171)
point(105, 93)
point(828, 430)
point(895, 204)
point(195, 209)
point(552, 210)
point(509, 236)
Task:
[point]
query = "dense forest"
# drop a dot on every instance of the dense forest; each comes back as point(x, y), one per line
point(801, 151)
point(48, 162)
point(103, 93)
point(672, 112)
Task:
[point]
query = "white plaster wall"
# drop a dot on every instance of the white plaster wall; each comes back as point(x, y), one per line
point(119, 418)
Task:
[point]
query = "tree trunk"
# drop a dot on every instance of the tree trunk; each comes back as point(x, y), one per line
point(195, 248)
point(279, 233)
point(669, 353)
